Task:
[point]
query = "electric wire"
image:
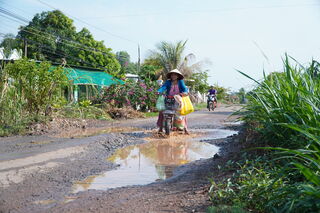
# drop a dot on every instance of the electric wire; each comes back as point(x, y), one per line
point(50, 50)
point(168, 12)
point(11, 19)
point(98, 28)
point(60, 41)
point(58, 37)
point(7, 12)
point(16, 8)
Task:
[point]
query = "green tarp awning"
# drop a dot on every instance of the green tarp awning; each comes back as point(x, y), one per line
point(81, 76)
point(89, 76)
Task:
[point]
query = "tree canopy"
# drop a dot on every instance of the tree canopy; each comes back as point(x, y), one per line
point(168, 56)
point(126, 65)
point(52, 36)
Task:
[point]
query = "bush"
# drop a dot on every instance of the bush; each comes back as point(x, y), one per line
point(225, 209)
point(251, 187)
point(83, 112)
point(284, 108)
point(139, 96)
point(27, 90)
point(286, 97)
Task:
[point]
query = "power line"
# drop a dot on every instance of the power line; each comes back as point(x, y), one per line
point(23, 11)
point(209, 10)
point(50, 50)
point(18, 17)
point(25, 20)
point(11, 19)
point(60, 41)
point(58, 38)
point(98, 28)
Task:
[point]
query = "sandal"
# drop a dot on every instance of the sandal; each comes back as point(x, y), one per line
point(186, 132)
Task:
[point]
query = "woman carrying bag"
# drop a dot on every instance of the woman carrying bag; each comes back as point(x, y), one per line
point(174, 86)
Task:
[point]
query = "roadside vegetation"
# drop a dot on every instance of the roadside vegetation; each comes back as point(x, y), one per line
point(32, 92)
point(27, 91)
point(282, 118)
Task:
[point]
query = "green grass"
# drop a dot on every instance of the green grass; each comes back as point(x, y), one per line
point(83, 112)
point(286, 98)
point(284, 109)
point(252, 185)
point(225, 209)
point(151, 114)
point(200, 106)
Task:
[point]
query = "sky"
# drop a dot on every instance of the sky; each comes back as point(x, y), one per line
point(246, 35)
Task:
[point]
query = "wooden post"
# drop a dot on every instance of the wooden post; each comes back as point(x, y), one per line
point(138, 59)
point(25, 48)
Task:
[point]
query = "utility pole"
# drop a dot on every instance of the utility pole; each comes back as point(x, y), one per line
point(138, 59)
point(25, 47)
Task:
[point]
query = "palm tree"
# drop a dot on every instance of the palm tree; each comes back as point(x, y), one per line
point(170, 56)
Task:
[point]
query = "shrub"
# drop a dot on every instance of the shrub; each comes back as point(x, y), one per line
point(139, 96)
point(251, 187)
point(27, 90)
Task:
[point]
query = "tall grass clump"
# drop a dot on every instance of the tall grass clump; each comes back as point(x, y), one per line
point(303, 195)
point(284, 108)
point(11, 108)
point(288, 97)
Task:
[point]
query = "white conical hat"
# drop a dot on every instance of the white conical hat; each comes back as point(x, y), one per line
point(177, 72)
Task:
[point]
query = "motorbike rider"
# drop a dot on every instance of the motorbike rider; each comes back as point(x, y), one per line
point(174, 85)
point(213, 92)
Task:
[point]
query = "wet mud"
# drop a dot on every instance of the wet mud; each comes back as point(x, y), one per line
point(79, 172)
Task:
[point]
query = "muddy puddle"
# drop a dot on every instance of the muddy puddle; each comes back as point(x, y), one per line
point(81, 133)
point(212, 134)
point(154, 161)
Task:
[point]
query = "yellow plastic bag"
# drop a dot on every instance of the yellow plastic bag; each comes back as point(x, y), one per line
point(186, 106)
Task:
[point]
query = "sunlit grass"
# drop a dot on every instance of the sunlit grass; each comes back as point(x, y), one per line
point(290, 97)
point(285, 109)
point(151, 114)
point(200, 106)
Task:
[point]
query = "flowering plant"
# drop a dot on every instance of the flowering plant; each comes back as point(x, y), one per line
point(139, 95)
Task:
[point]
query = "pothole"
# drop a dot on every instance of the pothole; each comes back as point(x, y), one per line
point(213, 134)
point(82, 133)
point(154, 161)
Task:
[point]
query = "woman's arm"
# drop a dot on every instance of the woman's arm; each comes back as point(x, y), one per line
point(164, 87)
point(182, 87)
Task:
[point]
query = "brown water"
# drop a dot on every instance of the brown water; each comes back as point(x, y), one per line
point(153, 161)
point(81, 133)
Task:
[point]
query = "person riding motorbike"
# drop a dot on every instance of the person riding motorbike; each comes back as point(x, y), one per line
point(212, 92)
point(174, 85)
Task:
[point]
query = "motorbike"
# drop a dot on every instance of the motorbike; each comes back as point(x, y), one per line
point(212, 102)
point(168, 114)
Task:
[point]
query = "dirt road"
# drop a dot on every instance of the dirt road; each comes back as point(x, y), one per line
point(39, 173)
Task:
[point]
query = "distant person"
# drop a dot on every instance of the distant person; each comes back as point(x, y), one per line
point(212, 93)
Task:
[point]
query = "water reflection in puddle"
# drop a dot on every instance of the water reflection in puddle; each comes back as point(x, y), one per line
point(212, 134)
point(149, 162)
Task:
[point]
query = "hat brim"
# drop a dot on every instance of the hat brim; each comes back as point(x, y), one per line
point(180, 77)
